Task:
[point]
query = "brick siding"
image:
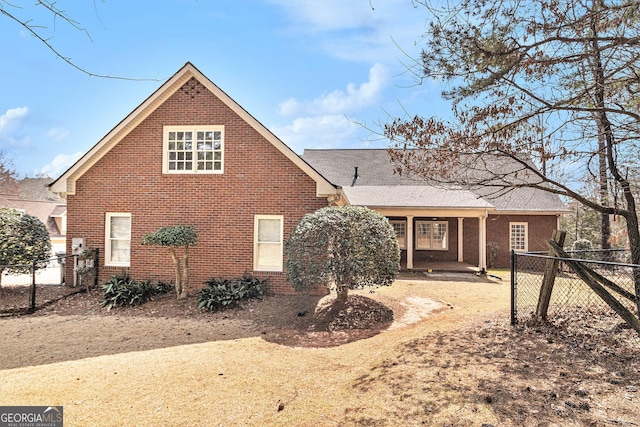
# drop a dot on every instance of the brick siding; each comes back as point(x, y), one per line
point(540, 228)
point(257, 179)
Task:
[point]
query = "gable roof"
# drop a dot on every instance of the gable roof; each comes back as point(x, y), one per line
point(66, 183)
point(377, 185)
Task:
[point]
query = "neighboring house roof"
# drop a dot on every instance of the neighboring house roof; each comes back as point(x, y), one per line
point(37, 189)
point(66, 183)
point(377, 185)
point(43, 210)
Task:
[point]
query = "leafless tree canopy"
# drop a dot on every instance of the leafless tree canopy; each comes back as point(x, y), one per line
point(551, 87)
point(40, 18)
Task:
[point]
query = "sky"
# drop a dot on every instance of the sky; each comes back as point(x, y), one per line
point(317, 73)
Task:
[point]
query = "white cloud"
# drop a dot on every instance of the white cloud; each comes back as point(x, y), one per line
point(324, 122)
point(57, 134)
point(12, 117)
point(59, 164)
point(354, 98)
point(325, 131)
point(375, 30)
point(322, 15)
point(10, 126)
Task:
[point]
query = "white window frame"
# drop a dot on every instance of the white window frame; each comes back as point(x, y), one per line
point(431, 223)
point(402, 237)
point(107, 240)
point(257, 266)
point(524, 225)
point(194, 151)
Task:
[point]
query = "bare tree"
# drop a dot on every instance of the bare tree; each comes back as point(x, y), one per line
point(514, 70)
point(8, 176)
point(23, 16)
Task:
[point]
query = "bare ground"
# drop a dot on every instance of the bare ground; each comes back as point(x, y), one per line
point(421, 353)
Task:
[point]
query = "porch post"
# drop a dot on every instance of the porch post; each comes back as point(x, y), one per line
point(482, 241)
point(460, 241)
point(409, 242)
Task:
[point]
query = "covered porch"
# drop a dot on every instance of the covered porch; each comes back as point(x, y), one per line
point(443, 240)
point(436, 228)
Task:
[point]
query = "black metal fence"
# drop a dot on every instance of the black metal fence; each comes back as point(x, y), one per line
point(570, 293)
point(42, 282)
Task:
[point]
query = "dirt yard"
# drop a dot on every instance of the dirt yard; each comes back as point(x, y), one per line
point(422, 352)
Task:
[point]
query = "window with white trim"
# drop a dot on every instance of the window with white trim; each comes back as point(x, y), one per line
point(268, 243)
point(432, 235)
point(193, 149)
point(518, 236)
point(400, 227)
point(117, 248)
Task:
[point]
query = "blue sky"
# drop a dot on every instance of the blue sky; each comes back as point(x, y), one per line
point(313, 72)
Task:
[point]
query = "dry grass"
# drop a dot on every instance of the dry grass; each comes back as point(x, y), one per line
point(458, 366)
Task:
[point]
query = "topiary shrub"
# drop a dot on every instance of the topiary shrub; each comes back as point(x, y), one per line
point(224, 293)
point(122, 291)
point(175, 237)
point(346, 247)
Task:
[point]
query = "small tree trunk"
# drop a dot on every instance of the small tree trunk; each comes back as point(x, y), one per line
point(183, 283)
point(185, 273)
point(342, 292)
point(178, 270)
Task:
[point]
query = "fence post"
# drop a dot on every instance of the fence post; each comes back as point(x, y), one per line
point(95, 268)
point(514, 271)
point(33, 286)
point(549, 277)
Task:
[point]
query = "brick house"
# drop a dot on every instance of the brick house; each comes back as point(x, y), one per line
point(191, 155)
point(438, 225)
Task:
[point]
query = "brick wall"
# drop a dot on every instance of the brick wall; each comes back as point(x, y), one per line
point(257, 179)
point(470, 254)
point(540, 228)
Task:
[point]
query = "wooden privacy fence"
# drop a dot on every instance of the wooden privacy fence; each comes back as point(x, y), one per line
point(546, 286)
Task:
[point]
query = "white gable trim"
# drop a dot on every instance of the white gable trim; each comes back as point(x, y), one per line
point(66, 183)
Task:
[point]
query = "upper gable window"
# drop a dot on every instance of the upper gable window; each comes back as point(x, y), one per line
point(193, 149)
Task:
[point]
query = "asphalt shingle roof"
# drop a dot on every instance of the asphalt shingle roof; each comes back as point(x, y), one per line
point(42, 210)
point(378, 185)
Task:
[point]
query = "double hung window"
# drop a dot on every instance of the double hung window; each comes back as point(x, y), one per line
point(432, 235)
point(268, 243)
point(400, 227)
point(117, 239)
